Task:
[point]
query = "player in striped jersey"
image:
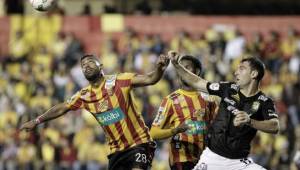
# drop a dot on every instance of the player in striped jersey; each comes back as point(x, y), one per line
point(109, 99)
point(184, 115)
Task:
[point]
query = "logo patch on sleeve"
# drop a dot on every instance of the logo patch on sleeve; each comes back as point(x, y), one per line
point(158, 119)
point(71, 100)
point(214, 86)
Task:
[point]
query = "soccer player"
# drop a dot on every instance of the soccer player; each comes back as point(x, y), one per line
point(243, 110)
point(184, 115)
point(109, 99)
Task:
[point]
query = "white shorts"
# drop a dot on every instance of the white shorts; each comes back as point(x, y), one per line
point(212, 161)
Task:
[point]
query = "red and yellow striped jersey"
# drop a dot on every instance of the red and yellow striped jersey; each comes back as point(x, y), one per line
point(190, 107)
point(113, 105)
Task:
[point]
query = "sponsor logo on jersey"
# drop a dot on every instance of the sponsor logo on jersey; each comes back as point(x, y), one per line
point(227, 100)
point(263, 98)
point(110, 84)
point(201, 166)
point(234, 86)
point(110, 117)
point(255, 106)
point(196, 127)
point(236, 97)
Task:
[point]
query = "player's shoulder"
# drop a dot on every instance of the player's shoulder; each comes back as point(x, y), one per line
point(83, 91)
point(173, 95)
point(264, 98)
point(123, 76)
point(207, 97)
point(110, 77)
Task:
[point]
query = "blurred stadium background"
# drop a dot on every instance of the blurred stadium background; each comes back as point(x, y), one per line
point(39, 55)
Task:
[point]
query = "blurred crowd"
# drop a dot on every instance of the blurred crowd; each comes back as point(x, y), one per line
point(35, 77)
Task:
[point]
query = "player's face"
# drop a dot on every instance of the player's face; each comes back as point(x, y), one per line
point(188, 64)
point(91, 68)
point(243, 74)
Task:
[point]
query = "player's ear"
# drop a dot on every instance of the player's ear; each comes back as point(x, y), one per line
point(254, 74)
point(198, 72)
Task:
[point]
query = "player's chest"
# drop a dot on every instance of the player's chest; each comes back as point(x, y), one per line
point(236, 100)
point(189, 108)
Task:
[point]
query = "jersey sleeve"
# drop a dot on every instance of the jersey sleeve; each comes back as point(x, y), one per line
point(268, 110)
point(127, 78)
point(75, 102)
point(164, 114)
point(217, 89)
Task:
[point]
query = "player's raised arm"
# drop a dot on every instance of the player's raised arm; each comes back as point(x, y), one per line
point(53, 113)
point(188, 77)
point(154, 76)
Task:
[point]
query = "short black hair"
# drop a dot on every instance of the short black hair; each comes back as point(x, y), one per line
point(256, 64)
point(194, 60)
point(89, 55)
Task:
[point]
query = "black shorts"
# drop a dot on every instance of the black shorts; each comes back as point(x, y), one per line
point(139, 156)
point(183, 166)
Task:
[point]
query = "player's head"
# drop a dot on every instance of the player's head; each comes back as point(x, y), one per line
point(91, 67)
point(249, 69)
point(192, 64)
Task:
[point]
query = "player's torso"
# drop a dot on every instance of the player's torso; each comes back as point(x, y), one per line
point(191, 109)
point(223, 134)
point(112, 105)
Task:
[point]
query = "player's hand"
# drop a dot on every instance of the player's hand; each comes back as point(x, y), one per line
point(28, 126)
point(241, 118)
point(174, 56)
point(181, 128)
point(163, 61)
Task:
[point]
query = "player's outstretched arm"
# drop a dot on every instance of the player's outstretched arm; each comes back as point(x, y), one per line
point(53, 113)
point(154, 76)
point(158, 134)
point(187, 76)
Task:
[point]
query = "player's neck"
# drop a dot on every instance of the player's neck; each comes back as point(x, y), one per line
point(250, 90)
point(187, 88)
point(97, 81)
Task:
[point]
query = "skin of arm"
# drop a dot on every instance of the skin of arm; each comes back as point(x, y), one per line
point(267, 126)
point(188, 77)
point(53, 113)
point(154, 76)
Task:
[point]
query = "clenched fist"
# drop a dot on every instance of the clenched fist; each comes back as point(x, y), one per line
point(174, 56)
point(163, 61)
point(241, 118)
